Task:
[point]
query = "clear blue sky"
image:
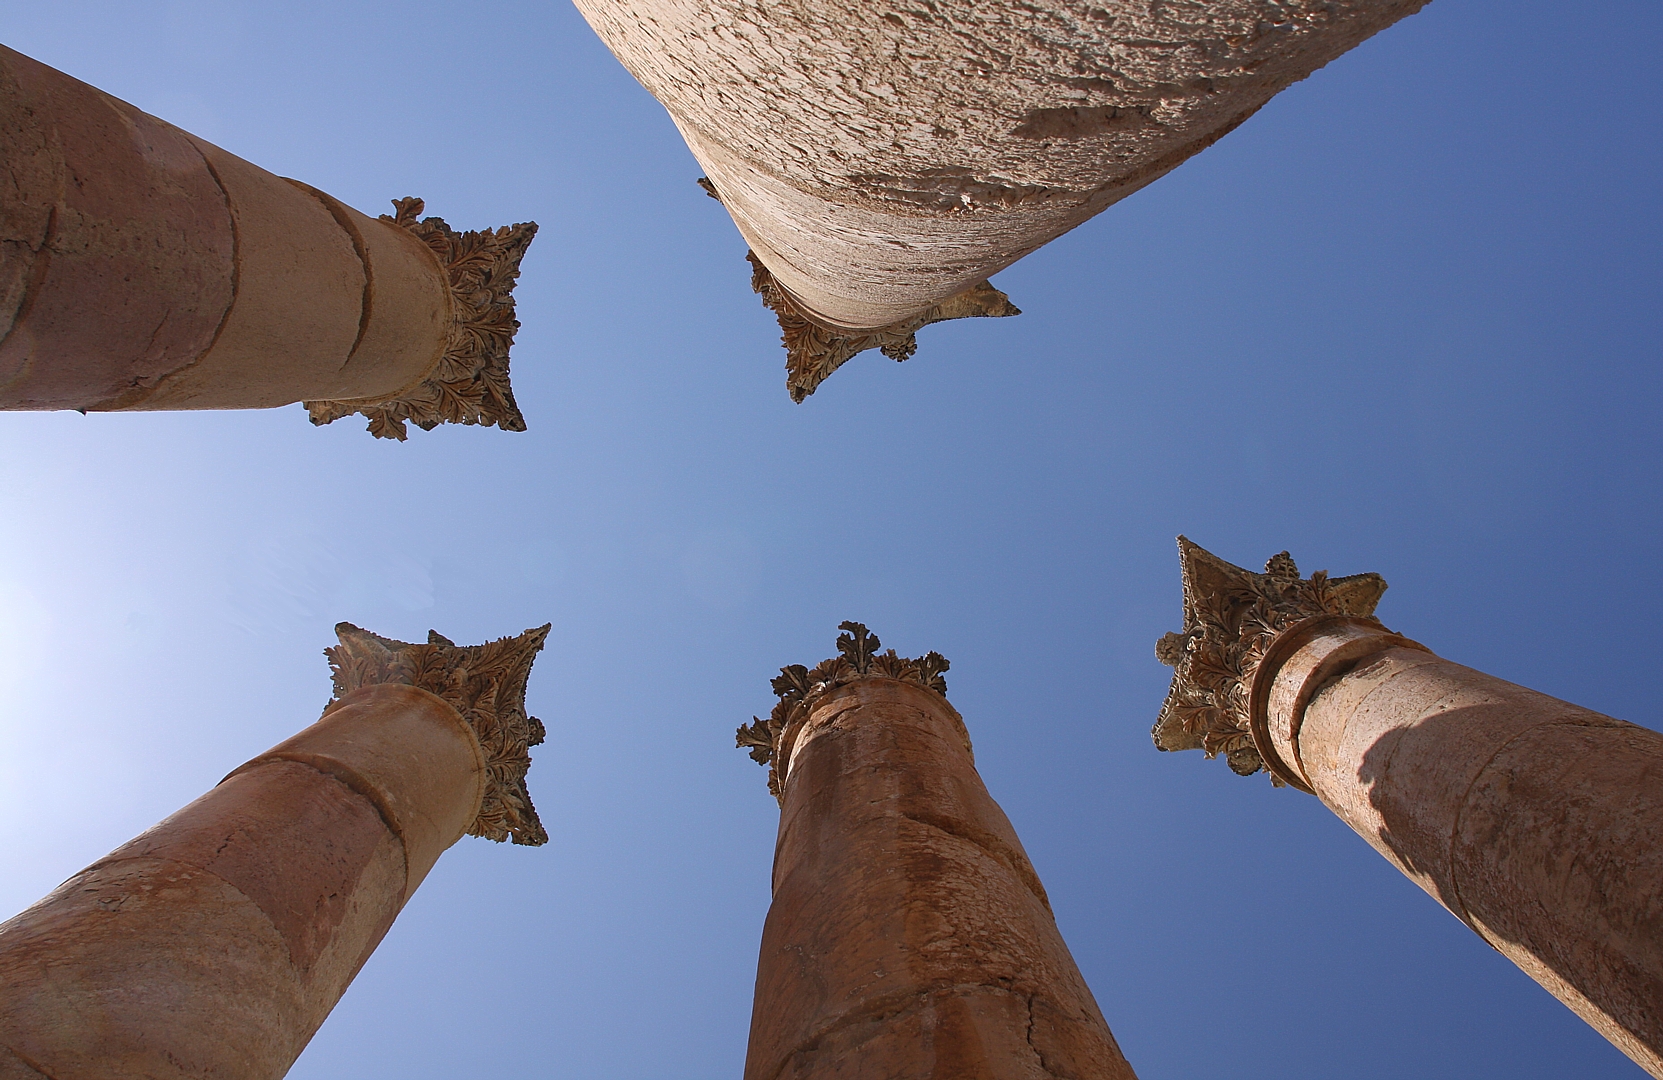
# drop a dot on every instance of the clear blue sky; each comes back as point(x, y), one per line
point(1407, 319)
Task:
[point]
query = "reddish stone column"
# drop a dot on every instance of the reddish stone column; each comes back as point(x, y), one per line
point(909, 937)
point(214, 944)
point(1536, 822)
point(144, 268)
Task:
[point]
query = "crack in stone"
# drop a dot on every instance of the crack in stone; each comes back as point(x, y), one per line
point(891, 1005)
point(991, 844)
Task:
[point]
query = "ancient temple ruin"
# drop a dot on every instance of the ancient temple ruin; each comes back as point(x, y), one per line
point(882, 164)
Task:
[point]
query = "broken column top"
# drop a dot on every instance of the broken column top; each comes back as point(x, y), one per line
point(800, 689)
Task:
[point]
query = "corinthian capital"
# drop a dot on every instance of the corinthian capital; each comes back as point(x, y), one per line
point(470, 384)
point(486, 685)
point(1233, 621)
point(813, 351)
point(799, 689)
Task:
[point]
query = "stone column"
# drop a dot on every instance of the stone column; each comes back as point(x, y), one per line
point(144, 268)
point(1536, 822)
point(883, 159)
point(909, 936)
point(214, 944)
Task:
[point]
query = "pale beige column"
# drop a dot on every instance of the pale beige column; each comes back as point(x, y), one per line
point(214, 944)
point(1536, 822)
point(909, 936)
point(883, 160)
point(144, 268)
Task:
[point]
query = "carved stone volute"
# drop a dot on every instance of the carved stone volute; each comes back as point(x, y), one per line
point(799, 689)
point(1233, 620)
point(486, 685)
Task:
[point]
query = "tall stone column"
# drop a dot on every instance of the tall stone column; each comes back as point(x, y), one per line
point(883, 159)
point(144, 268)
point(1536, 822)
point(214, 944)
point(909, 936)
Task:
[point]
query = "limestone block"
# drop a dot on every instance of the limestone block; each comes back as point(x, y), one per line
point(150, 968)
point(408, 310)
point(292, 257)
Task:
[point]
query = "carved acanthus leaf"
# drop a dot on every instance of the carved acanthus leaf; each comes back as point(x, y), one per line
point(470, 384)
point(486, 685)
point(1231, 618)
point(813, 351)
point(799, 689)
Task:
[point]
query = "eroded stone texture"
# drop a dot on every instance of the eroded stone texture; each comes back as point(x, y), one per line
point(215, 944)
point(909, 936)
point(144, 268)
point(1536, 822)
point(881, 158)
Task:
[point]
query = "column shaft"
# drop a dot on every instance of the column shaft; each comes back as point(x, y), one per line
point(214, 944)
point(882, 159)
point(1536, 822)
point(909, 936)
point(144, 268)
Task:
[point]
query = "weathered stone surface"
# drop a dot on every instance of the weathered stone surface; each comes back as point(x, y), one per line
point(144, 268)
point(214, 944)
point(1536, 822)
point(130, 275)
point(402, 749)
point(880, 158)
point(909, 935)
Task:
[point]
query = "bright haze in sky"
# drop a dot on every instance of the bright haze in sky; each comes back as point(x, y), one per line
point(1407, 319)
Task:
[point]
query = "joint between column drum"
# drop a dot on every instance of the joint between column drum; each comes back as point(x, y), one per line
point(1272, 694)
point(335, 769)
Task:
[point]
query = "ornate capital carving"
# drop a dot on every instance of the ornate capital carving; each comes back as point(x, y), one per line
point(800, 689)
point(486, 685)
point(470, 384)
point(1232, 617)
point(813, 351)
